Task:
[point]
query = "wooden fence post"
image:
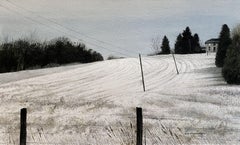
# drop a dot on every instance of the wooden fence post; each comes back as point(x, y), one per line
point(23, 128)
point(143, 82)
point(139, 126)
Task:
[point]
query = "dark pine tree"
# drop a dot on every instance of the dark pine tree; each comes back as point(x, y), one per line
point(187, 41)
point(165, 46)
point(196, 44)
point(178, 44)
point(224, 43)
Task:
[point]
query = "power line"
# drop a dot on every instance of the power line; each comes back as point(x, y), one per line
point(38, 22)
point(70, 29)
point(77, 32)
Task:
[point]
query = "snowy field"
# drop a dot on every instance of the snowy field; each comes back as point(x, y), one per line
point(95, 103)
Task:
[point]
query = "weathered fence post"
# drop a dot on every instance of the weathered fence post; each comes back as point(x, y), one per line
point(139, 126)
point(140, 59)
point(23, 128)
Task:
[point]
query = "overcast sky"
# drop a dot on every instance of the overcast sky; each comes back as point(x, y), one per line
point(116, 26)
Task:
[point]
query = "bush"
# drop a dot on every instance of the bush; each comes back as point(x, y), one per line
point(231, 68)
point(51, 65)
point(113, 57)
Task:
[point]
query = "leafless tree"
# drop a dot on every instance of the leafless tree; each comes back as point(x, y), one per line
point(4, 37)
point(32, 36)
point(156, 44)
point(236, 33)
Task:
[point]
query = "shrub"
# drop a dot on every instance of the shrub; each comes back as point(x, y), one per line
point(113, 57)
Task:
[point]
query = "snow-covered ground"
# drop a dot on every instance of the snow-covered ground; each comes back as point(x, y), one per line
point(95, 103)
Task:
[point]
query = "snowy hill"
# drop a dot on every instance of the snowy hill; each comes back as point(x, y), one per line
point(95, 103)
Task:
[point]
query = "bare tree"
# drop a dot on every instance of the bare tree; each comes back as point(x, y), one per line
point(236, 31)
point(156, 44)
point(32, 36)
point(4, 37)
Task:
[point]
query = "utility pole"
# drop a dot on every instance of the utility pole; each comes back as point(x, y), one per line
point(140, 59)
point(175, 62)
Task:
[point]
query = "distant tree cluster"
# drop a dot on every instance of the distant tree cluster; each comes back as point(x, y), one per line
point(186, 43)
point(231, 63)
point(23, 54)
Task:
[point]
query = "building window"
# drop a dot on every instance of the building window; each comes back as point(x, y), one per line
point(214, 49)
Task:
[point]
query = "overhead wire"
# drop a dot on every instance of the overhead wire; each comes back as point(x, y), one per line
point(72, 30)
point(38, 22)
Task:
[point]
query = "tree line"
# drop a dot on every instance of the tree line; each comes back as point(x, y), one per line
point(228, 54)
point(23, 54)
point(186, 43)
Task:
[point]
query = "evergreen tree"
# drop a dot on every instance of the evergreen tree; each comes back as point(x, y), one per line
point(187, 41)
point(178, 44)
point(231, 67)
point(165, 46)
point(196, 44)
point(224, 43)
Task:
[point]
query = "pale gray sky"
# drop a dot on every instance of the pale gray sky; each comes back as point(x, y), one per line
point(124, 26)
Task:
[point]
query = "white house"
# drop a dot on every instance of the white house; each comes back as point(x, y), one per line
point(212, 45)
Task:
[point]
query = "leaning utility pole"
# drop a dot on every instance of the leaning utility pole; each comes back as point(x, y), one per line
point(140, 59)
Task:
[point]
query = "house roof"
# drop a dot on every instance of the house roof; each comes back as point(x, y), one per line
point(213, 40)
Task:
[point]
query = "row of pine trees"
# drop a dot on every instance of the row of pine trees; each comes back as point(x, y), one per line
point(186, 43)
point(228, 54)
point(24, 54)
